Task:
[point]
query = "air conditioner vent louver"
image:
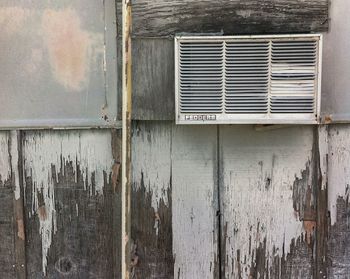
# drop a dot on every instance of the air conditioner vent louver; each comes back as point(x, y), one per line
point(255, 79)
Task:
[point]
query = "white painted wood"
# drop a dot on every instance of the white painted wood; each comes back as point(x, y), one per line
point(5, 164)
point(151, 157)
point(338, 167)
point(194, 182)
point(258, 171)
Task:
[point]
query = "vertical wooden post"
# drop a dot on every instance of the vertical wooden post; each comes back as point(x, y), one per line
point(126, 139)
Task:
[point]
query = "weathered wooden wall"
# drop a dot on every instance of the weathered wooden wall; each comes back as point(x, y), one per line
point(69, 184)
point(207, 201)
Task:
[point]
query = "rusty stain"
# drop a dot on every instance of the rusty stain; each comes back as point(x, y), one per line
point(328, 119)
point(20, 229)
point(309, 227)
point(68, 47)
point(12, 19)
point(42, 213)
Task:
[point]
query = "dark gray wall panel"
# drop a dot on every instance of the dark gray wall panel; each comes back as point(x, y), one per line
point(153, 79)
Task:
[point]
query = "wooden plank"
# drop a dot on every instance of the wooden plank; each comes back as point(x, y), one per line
point(195, 204)
point(338, 247)
point(161, 18)
point(7, 227)
point(70, 204)
point(152, 233)
point(267, 202)
point(16, 160)
point(153, 79)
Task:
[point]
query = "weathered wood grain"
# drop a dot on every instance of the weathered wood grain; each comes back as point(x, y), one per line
point(70, 201)
point(12, 236)
point(151, 213)
point(16, 160)
point(153, 79)
point(7, 226)
point(156, 18)
point(338, 248)
point(195, 204)
point(267, 224)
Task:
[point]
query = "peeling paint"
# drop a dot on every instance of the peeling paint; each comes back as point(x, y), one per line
point(14, 163)
point(5, 164)
point(46, 153)
point(262, 222)
point(152, 160)
point(338, 167)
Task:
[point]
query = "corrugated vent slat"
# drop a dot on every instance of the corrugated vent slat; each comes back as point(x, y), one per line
point(293, 76)
point(201, 77)
point(246, 77)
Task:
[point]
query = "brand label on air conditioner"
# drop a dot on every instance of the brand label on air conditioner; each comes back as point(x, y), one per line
point(203, 117)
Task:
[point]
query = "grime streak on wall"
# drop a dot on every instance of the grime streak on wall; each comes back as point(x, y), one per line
point(46, 154)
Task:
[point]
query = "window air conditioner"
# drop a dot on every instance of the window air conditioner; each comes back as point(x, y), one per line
point(248, 79)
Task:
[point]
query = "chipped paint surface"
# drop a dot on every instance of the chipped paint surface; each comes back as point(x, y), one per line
point(46, 153)
point(5, 164)
point(152, 160)
point(194, 205)
point(338, 167)
point(259, 171)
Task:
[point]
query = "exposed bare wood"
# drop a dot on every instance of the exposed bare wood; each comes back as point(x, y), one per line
point(153, 79)
point(155, 18)
point(7, 225)
point(338, 245)
point(152, 233)
point(15, 155)
point(69, 204)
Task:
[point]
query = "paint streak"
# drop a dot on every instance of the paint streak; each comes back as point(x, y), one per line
point(68, 47)
point(46, 155)
point(5, 164)
point(12, 19)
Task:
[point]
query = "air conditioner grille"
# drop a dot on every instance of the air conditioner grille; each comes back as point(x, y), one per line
point(201, 77)
point(246, 77)
point(268, 78)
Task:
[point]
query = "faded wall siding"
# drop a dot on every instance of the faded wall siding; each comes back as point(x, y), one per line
point(70, 204)
point(267, 202)
point(175, 201)
point(338, 252)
